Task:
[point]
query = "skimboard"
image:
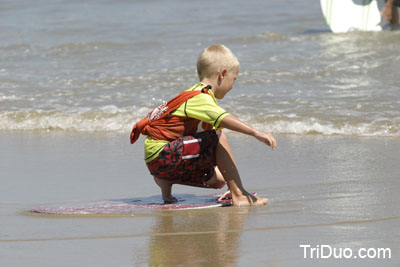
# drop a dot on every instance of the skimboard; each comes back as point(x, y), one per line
point(353, 15)
point(132, 206)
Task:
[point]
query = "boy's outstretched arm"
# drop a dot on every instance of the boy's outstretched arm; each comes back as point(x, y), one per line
point(232, 123)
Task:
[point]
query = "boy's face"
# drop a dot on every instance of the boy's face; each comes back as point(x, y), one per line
point(227, 79)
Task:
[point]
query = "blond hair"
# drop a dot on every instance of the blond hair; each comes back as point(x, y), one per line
point(213, 59)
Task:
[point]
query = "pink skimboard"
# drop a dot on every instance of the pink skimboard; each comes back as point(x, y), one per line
point(132, 206)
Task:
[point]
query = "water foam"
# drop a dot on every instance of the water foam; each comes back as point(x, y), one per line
point(113, 119)
point(311, 126)
point(107, 118)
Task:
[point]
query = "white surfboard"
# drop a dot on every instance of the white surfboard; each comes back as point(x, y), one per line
point(353, 15)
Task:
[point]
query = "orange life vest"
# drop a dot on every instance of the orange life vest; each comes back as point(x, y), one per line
point(160, 125)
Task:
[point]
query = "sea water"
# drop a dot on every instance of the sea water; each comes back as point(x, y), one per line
point(75, 76)
point(103, 65)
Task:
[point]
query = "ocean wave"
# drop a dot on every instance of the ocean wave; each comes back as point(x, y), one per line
point(113, 119)
point(108, 119)
point(311, 126)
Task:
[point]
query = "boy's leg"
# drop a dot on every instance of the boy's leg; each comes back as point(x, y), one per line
point(217, 181)
point(170, 167)
point(166, 188)
point(228, 168)
point(395, 16)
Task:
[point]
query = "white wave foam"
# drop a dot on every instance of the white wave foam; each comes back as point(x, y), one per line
point(107, 118)
point(114, 119)
point(327, 128)
point(9, 98)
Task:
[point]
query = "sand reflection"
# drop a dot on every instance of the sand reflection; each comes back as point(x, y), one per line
point(197, 238)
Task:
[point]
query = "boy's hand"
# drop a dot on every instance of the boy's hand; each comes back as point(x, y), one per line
point(266, 138)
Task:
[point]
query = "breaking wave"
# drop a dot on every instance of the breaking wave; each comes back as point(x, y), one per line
point(113, 119)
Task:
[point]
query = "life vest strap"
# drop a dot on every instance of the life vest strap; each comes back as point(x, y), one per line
point(157, 115)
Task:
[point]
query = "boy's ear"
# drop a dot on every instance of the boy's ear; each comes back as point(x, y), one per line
point(223, 72)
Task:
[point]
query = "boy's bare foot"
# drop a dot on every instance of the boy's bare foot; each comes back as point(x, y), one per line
point(166, 189)
point(170, 200)
point(249, 200)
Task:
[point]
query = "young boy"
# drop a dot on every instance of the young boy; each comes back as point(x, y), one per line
point(176, 152)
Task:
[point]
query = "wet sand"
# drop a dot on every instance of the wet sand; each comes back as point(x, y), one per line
point(337, 191)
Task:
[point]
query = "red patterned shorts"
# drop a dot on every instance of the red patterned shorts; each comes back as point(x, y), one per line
point(188, 160)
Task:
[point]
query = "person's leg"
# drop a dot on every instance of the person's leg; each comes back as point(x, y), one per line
point(163, 168)
point(390, 12)
point(228, 168)
point(395, 16)
point(387, 12)
point(217, 181)
point(166, 188)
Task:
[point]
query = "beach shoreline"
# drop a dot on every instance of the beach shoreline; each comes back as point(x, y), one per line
point(330, 190)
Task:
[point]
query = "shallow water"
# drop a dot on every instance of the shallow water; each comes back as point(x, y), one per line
point(75, 76)
point(100, 66)
point(337, 191)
